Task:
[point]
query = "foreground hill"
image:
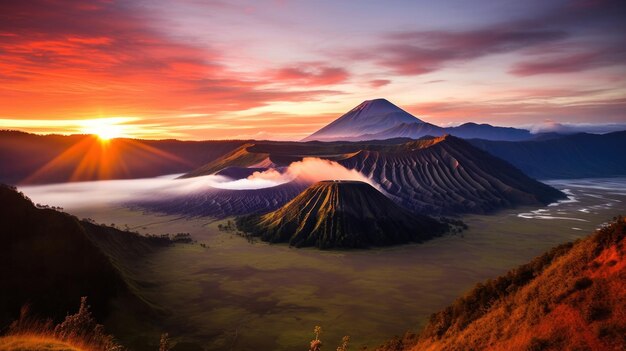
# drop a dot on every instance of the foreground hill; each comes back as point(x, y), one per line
point(573, 156)
point(341, 214)
point(50, 259)
point(571, 298)
point(449, 175)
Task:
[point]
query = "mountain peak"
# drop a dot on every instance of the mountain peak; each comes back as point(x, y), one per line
point(379, 103)
point(370, 116)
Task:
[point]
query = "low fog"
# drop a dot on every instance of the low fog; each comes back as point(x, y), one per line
point(112, 192)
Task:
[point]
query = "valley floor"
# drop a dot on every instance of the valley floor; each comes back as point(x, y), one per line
point(234, 295)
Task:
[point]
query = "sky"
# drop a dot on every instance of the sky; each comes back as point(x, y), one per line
point(282, 69)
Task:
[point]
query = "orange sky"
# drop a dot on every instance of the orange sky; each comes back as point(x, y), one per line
point(283, 69)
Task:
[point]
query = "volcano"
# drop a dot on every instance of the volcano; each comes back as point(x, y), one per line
point(447, 175)
point(341, 214)
point(369, 117)
point(380, 119)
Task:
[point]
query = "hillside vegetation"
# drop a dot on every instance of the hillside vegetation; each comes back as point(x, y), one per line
point(571, 298)
point(50, 259)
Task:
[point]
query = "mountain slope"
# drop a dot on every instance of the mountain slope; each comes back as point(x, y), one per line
point(50, 259)
point(449, 175)
point(222, 203)
point(572, 156)
point(405, 130)
point(571, 298)
point(341, 214)
point(240, 157)
point(369, 117)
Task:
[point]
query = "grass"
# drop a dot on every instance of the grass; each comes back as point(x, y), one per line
point(570, 298)
point(35, 343)
point(78, 331)
point(238, 295)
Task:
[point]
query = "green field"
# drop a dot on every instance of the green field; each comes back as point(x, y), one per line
point(236, 295)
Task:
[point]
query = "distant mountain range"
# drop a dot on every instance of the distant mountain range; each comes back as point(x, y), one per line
point(558, 157)
point(341, 214)
point(379, 119)
point(39, 159)
point(570, 298)
point(35, 159)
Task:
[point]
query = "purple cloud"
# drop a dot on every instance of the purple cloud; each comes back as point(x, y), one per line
point(575, 61)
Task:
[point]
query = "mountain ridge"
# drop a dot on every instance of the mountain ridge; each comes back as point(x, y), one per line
point(447, 175)
point(580, 155)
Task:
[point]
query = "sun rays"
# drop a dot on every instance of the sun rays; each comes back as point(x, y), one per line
point(102, 156)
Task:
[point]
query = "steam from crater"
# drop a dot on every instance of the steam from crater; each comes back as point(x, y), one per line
point(113, 192)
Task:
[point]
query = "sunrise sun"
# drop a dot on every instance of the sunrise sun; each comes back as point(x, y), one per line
point(104, 128)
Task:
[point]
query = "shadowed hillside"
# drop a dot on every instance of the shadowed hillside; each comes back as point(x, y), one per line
point(341, 214)
point(50, 259)
point(571, 298)
point(572, 156)
point(222, 203)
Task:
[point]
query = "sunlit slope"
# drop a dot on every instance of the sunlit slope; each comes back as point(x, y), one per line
point(35, 343)
point(341, 214)
point(449, 175)
point(571, 298)
point(239, 157)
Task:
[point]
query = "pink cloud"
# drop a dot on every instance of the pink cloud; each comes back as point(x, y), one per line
point(421, 52)
point(75, 58)
point(377, 83)
point(311, 74)
point(573, 62)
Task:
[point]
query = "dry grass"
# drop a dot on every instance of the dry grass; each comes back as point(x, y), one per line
point(78, 331)
point(569, 299)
